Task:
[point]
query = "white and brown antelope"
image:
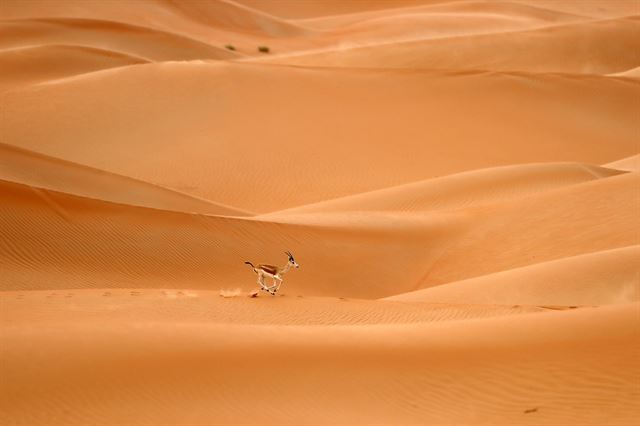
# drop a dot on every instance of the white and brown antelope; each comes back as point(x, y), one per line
point(273, 272)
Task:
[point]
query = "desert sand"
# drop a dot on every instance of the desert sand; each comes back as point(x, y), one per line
point(459, 181)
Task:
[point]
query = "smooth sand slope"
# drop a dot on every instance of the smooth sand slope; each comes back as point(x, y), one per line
point(630, 164)
point(140, 42)
point(42, 172)
point(25, 66)
point(474, 188)
point(215, 24)
point(600, 278)
point(579, 366)
point(49, 234)
point(458, 180)
point(502, 15)
point(610, 46)
point(346, 131)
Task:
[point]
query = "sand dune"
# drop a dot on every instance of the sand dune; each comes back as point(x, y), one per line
point(631, 73)
point(215, 23)
point(209, 114)
point(594, 9)
point(611, 46)
point(611, 276)
point(458, 181)
point(475, 188)
point(85, 243)
point(309, 9)
point(203, 252)
point(42, 172)
point(292, 9)
point(29, 65)
point(389, 373)
point(630, 164)
point(140, 305)
point(565, 222)
point(145, 43)
point(190, 18)
point(476, 16)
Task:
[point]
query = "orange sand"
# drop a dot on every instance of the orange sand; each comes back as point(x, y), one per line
point(458, 179)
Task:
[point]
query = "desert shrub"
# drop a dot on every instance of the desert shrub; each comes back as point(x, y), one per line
point(230, 47)
point(263, 49)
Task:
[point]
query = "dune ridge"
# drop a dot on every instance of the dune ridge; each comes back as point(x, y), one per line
point(629, 164)
point(475, 188)
point(149, 44)
point(43, 172)
point(34, 64)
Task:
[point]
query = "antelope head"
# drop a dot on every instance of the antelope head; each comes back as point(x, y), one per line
point(292, 261)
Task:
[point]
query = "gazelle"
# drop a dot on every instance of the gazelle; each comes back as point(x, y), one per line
point(273, 272)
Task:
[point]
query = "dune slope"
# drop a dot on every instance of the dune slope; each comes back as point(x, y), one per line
point(600, 278)
point(388, 373)
point(145, 43)
point(210, 115)
point(149, 248)
point(475, 188)
point(23, 66)
point(609, 46)
point(42, 172)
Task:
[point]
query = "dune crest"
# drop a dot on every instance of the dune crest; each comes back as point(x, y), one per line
point(630, 164)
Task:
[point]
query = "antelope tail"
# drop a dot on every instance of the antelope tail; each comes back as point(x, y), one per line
point(251, 264)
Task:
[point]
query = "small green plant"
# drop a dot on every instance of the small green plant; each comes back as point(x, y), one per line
point(230, 47)
point(263, 49)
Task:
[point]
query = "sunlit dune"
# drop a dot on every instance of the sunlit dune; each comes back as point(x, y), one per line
point(630, 164)
point(474, 188)
point(612, 46)
point(631, 73)
point(319, 212)
point(599, 278)
point(208, 115)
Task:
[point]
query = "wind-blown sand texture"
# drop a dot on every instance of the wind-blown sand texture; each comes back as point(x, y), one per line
point(458, 179)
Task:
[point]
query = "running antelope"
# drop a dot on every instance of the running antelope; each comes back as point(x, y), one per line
point(273, 272)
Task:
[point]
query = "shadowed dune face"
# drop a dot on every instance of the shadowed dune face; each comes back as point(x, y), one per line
point(30, 65)
point(458, 180)
point(46, 173)
point(141, 42)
